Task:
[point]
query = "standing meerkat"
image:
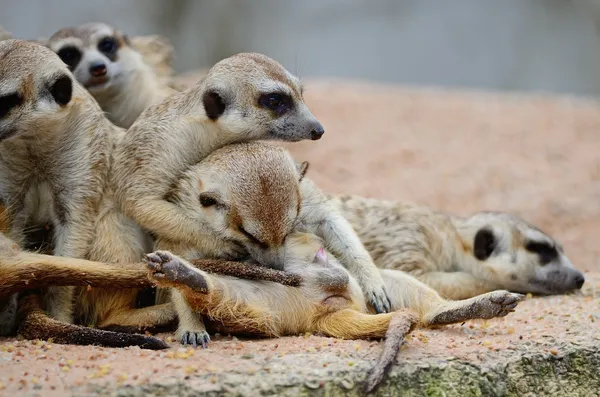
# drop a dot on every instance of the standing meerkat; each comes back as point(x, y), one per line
point(55, 167)
point(461, 257)
point(107, 64)
point(254, 197)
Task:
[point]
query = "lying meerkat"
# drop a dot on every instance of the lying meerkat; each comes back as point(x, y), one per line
point(461, 257)
point(108, 65)
point(55, 167)
point(254, 196)
point(329, 301)
point(243, 98)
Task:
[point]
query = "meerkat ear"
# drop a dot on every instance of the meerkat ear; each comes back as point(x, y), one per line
point(214, 105)
point(484, 244)
point(302, 168)
point(62, 90)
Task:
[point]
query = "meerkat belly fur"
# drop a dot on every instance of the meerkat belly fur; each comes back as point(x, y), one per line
point(108, 65)
point(245, 97)
point(55, 158)
point(253, 196)
point(460, 257)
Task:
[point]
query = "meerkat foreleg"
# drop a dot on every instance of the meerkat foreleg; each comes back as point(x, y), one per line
point(408, 292)
point(72, 239)
point(341, 240)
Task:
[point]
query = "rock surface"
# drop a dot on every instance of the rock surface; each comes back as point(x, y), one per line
point(459, 152)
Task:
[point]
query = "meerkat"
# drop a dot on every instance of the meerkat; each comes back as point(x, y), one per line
point(55, 167)
point(329, 301)
point(460, 257)
point(107, 64)
point(253, 196)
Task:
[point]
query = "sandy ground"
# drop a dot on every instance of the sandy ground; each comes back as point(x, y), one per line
point(459, 152)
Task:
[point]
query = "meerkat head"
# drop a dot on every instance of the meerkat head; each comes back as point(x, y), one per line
point(36, 89)
point(248, 195)
point(520, 255)
point(253, 96)
point(100, 57)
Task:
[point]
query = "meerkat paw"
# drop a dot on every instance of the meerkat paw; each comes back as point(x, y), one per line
point(170, 270)
point(377, 297)
point(499, 303)
point(493, 304)
point(195, 338)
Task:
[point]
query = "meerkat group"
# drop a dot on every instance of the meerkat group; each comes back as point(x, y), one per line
point(181, 182)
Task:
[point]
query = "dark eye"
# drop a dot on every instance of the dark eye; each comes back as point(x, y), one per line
point(207, 201)
point(70, 55)
point(8, 102)
point(546, 252)
point(107, 45)
point(279, 103)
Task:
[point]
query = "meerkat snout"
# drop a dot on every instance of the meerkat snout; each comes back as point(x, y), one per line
point(98, 69)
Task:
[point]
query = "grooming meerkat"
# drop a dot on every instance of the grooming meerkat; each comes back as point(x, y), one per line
point(254, 196)
point(460, 257)
point(245, 97)
point(107, 64)
point(55, 167)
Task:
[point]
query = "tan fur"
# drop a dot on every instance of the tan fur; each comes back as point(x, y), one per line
point(258, 205)
point(55, 167)
point(133, 80)
point(438, 248)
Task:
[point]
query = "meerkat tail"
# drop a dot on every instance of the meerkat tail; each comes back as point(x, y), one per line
point(247, 271)
point(35, 324)
point(28, 270)
point(402, 323)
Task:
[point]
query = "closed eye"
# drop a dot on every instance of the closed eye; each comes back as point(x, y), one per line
point(9, 102)
point(253, 239)
point(546, 252)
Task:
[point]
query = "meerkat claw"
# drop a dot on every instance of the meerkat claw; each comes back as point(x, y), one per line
point(195, 338)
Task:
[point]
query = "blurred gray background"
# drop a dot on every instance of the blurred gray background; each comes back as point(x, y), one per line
point(525, 45)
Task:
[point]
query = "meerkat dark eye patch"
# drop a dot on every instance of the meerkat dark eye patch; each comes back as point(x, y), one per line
point(108, 45)
point(9, 102)
point(62, 90)
point(214, 105)
point(277, 102)
point(484, 244)
point(207, 200)
point(546, 252)
point(70, 55)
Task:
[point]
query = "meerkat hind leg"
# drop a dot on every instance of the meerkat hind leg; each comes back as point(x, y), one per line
point(407, 292)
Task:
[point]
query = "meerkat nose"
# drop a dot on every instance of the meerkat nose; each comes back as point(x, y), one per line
point(579, 280)
point(98, 69)
point(317, 132)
